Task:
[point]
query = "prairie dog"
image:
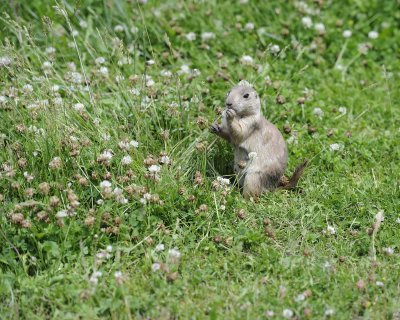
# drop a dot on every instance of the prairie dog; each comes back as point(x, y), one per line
point(260, 150)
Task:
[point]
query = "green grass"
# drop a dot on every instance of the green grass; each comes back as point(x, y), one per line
point(230, 267)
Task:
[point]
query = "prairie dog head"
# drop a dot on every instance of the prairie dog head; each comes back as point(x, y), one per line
point(243, 99)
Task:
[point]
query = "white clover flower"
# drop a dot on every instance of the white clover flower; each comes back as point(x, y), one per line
point(196, 72)
point(135, 91)
point(118, 28)
point(147, 196)
point(275, 49)
point(76, 77)
point(36, 131)
point(157, 13)
point(246, 60)
point(71, 66)
point(292, 140)
point(347, 33)
point(105, 184)
point(329, 312)
point(109, 248)
point(336, 146)
point(79, 107)
point(174, 253)
point(5, 61)
point(28, 177)
point(373, 34)
point(223, 181)
point(287, 313)
point(134, 143)
point(58, 101)
point(94, 277)
point(103, 71)
point(318, 112)
point(166, 73)
point(118, 191)
point(134, 30)
point(124, 61)
point(105, 136)
point(385, 24)
point(249, 26)
point(388, 250)
point(331, 230)
point(261, 31)
point(103, 254)
point(47, 65)
point(118, 277)
point(160, 247)
point(184, 69)
point(379, 284)
point(150, 83)
point(165, 160)
point(61, 214)
point(32, 106)
point(155, 267)
point(117, 274)
point(55, 163)
point(206, 36)
point(27, 88)
point(119, 78)
point(100, 60)
point(154, 168)
point(307, 22)
point(100, 202)
point(342, 110)
point(127, 160)
point(363, 48)
point(50, 50)
point(107, 155)
point(121, 200)
point(191, 36)
point(320, 28)
point(150, 62)
point(269, 313)
point(44, 103)
point(55, 88)
point(300, 297)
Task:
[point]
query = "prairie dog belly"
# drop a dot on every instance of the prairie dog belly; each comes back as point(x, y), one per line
point(261, 153)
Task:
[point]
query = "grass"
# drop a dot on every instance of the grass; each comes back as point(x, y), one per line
point(319, 253)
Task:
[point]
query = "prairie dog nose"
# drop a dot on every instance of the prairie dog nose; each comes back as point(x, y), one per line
point(229, 104)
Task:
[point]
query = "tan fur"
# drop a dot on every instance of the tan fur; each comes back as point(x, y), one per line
point(244, 127)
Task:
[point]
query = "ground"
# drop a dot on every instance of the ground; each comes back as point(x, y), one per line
point(116, 200)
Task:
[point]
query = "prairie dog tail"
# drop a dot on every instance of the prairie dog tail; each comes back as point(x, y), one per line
point(292, 182)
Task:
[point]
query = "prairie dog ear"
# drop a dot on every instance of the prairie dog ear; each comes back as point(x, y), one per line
point(244, 83)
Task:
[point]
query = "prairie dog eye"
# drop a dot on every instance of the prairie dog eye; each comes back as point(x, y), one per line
point(246, 95)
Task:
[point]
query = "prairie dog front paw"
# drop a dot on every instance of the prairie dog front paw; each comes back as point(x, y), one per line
point(230, 114)
point(215, 128)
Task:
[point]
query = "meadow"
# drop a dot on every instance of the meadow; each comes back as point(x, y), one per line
point(116, 202)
